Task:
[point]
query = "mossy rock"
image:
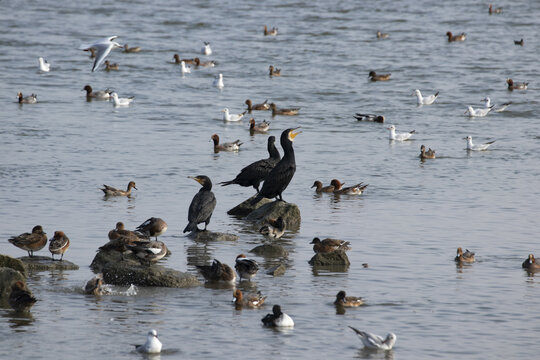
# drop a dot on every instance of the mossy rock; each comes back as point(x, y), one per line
point(204, 236)
point(45, 263)
point(7, 277)
point(12, 263)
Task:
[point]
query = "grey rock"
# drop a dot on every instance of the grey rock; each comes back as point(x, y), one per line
point(7, 277)
point(12, 263)
point(330, 259)
point(244, 208)
point(277, 270)
point(45, 263)
point(127, 269)
point(272, 210)
point(204, 236)
point(270, 251)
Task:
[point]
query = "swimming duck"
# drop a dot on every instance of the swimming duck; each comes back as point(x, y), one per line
point(150, 251)
point(357, 189)
point(153, 227)
point(100, 94)
point(329, 245)
point(246, 268)
point(381, 35)
point(276, 111)
point(427, 100)
point(374, 77)
point(260, 128)
point(452, 38)
point(111, 67)
point(218, 82)
point(464, 257)
point(102, 47)
point(272, 32)
point(58, 244)
point(277, 318)
point(20, 298)
point(206, 50)
point(491, 10)
point(530, 264)
point(478, 112)
point(475, 147)
point(252, 301)
point(338, 185)
point(152, 344)
point(513, 86)
point(399, 136)
point(263, 106)
point(369, 117)
point(274, 71)
point(228, 146)
point(202, 206)
point(30, 242)
point(198, 62)
point(94, 286)
point(44, 66)
point(121, 101)
point(217, 272)
point(178, 60)
point(519, 42)
point(135, 49)
point(232, 117)
point(30, 99)
point(429, 154)
point(347, 301)
point(372, 341)
point(274, 229)
point(184, 69)
point(111, 191)
point(319, 188)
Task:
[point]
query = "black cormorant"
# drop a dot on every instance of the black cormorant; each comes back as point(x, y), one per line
point(202, 205)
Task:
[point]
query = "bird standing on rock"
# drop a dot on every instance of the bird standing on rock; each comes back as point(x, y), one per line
point(202, 206)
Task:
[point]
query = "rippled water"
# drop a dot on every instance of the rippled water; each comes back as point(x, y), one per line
point(407, 225)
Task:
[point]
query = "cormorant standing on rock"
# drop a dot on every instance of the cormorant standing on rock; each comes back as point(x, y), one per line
point(202, 206)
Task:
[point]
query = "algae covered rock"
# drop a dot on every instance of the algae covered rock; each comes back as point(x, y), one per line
point(7, 277)
point(207, 235)
point(12, 263)
point(45, 263)
point(330, 259)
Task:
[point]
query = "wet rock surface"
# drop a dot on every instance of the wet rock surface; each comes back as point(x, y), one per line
point(330, 259)
point(204, 236)
point(12, 263)
point(272, 210)
point(44, 263)
point(270, 251)
point(245, 208)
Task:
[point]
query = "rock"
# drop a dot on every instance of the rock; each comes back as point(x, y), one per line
point(7, 277)
point(12, 263)
point(44, 263)
point(272, 210)
point(244, 208)
point(330, 259)
point(277, 270)
point(204, 236)
point(126, 270)
point(270, 251)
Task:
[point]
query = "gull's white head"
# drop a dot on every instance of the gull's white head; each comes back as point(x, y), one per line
point(417, 92)
point(468, 138)
point(391, 128)
point(390, 339)
point(226, 110)
point(152, 333)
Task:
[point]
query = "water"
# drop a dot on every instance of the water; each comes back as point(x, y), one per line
point(407, 225)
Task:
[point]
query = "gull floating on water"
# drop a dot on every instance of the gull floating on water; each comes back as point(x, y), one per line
point(399, 136)
point(376, 342)
point(232, 117)
point(121, 101)
point(184, 68)
point(473, 147)
point(428, 100)
point(152, 344)
point(500, 108)
point(44, 65)
point(478, 112)
point(102, 47)
point(206, 50)
point(218, 81)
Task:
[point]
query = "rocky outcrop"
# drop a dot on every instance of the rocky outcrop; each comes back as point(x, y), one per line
point(336, 258)
point(45, 263)
point(272, 210)
point(127, 269)
point(245, 207)
point(270, 251)
point(12, 263)
point(7, 277)
point(204, 236)
point(277, 270)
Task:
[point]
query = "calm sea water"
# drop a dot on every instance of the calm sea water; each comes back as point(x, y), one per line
point(407, 226)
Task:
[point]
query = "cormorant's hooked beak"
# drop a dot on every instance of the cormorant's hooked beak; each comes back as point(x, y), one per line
point(293, 134)
point(196, 178)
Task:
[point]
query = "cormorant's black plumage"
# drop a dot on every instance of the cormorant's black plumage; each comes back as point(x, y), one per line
point(202, 206)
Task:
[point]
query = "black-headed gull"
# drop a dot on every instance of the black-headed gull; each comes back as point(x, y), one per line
point(44, 66)
point(399, 136)
point(152, 344)
point(478, 112)
point(475, 147)
point(218, 82)
point(424, 100)
point(206, 50)
point(184, 69)
point(496, 108)
point(232, 117)
point(373, 341)
point(102, 47)
point(121, 101)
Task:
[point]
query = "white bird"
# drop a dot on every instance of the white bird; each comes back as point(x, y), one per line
point(233, 117)
point(487, 102)
point(44, 65)
point(121, 101)
point(478, 112)
point(184, 68)
point(218, 82)
point(373, 341)
point(152, 344)
point(399, 136)
point(428, 100)
point(102, 47)
point(206, 50)
point(473, 147)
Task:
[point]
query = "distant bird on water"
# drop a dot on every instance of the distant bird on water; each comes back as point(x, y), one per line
point(374, 77)
point(152, 344)
point(111, 191)
point(102, 47)
point(519, 42)
point(369, 117)
point(454, 38)
point(206, 49)
point(277, 318)
point(530, 264)
point(226, 146)
point(426, 154)
point(477, 147)
point(30, 99)
point(399, 136)
point(44, 66)
point(424, 100)
point(274, 71)
point(516, 86)
point(128, 49)
point(491, 10)
point(271, 32)
point(260, 107)
point(347, 301)
point(496, 108)
point(381, 35)
point(202, 206)
point(464, 257)
point(376, 342)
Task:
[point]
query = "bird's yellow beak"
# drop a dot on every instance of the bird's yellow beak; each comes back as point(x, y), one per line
point(293, 134)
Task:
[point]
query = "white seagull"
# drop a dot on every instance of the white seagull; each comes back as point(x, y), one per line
point(233, 117)
point(206, 50)
point(478, 112)
point(428, 100)
point(152, 344)
point(184, 68)
point(473, 147)
point(501, 108)
point(218, 82)
point(44, 65)
point(399, 136)
point(121, 101)
point(373, 341)
point(102, 47)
